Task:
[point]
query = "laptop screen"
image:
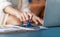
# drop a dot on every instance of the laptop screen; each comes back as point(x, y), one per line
point(52, 13)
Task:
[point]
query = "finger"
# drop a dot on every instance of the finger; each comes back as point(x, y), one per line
point(26, 16)
point(39, 20)
point(34, 20)
point(30, 15)
point(20, 18)
point(23, 18)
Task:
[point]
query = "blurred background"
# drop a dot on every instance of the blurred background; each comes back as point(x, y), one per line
point(37, 7)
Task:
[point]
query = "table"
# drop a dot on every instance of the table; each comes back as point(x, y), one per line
point(51, 32)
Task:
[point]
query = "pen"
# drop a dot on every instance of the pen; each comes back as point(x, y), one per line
point(28, 22)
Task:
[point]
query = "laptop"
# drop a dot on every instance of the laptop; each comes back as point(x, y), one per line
point(52, 13)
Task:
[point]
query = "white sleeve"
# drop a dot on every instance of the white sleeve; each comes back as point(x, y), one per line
point(25, 6)
point(3, 4)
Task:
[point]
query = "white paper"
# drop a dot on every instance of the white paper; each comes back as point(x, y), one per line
point(13, 28)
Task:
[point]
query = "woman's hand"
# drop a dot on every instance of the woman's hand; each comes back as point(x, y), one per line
point(35, 18)
point(24, 17)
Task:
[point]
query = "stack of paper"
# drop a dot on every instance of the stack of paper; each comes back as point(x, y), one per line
point(9, 28)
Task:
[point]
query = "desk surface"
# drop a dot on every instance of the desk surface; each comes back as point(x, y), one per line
point(51, 32)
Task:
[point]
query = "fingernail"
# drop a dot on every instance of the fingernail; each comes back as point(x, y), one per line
point(36, 22)
point(27, 19)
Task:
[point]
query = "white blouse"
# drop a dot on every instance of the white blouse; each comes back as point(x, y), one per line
point(22, 5)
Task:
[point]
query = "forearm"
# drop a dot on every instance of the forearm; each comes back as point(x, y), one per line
point(11, 10)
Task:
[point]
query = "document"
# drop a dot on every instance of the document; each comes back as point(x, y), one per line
point(9, 28)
